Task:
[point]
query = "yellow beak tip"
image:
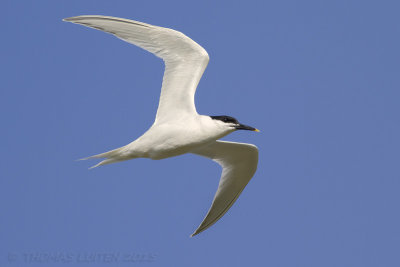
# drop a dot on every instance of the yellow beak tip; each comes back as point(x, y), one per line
point(256, 130)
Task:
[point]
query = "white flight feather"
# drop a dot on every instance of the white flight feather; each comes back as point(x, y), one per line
point(185, 60)
point(239, 163)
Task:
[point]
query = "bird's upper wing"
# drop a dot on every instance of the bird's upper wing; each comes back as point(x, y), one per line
point(185, 60)
point(239, 163)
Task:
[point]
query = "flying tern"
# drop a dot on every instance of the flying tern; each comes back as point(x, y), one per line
point(178, 128)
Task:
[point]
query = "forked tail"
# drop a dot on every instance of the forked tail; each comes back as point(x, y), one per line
point(112, 156)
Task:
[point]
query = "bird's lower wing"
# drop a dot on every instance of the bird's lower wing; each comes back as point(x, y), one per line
point(239, 163)
point(185, 60)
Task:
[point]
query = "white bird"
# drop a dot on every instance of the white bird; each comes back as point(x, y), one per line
point(178, 128)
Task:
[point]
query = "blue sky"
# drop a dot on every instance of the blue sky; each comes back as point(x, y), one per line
point(320, 79)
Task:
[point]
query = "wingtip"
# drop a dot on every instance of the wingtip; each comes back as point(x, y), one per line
point(72, 19)
point(198, 231)
point(67, 19)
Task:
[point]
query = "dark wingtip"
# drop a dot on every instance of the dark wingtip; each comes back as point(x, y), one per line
point(194, 234)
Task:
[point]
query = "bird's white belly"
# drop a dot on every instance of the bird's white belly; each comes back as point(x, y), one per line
point(166, 141)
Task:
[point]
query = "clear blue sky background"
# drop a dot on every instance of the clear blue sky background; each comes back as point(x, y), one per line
point(320, 79)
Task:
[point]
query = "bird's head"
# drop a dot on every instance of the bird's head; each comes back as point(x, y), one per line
point(231, 123)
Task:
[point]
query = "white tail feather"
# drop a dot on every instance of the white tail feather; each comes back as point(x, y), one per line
point(112, 156)
point(106, 161)
point(108, 154)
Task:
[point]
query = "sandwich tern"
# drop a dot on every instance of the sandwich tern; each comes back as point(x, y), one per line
point(178, 128)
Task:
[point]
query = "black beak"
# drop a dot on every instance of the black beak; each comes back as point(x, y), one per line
point(245, 127)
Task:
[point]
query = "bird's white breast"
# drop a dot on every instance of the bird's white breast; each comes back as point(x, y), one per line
point(176, 137)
